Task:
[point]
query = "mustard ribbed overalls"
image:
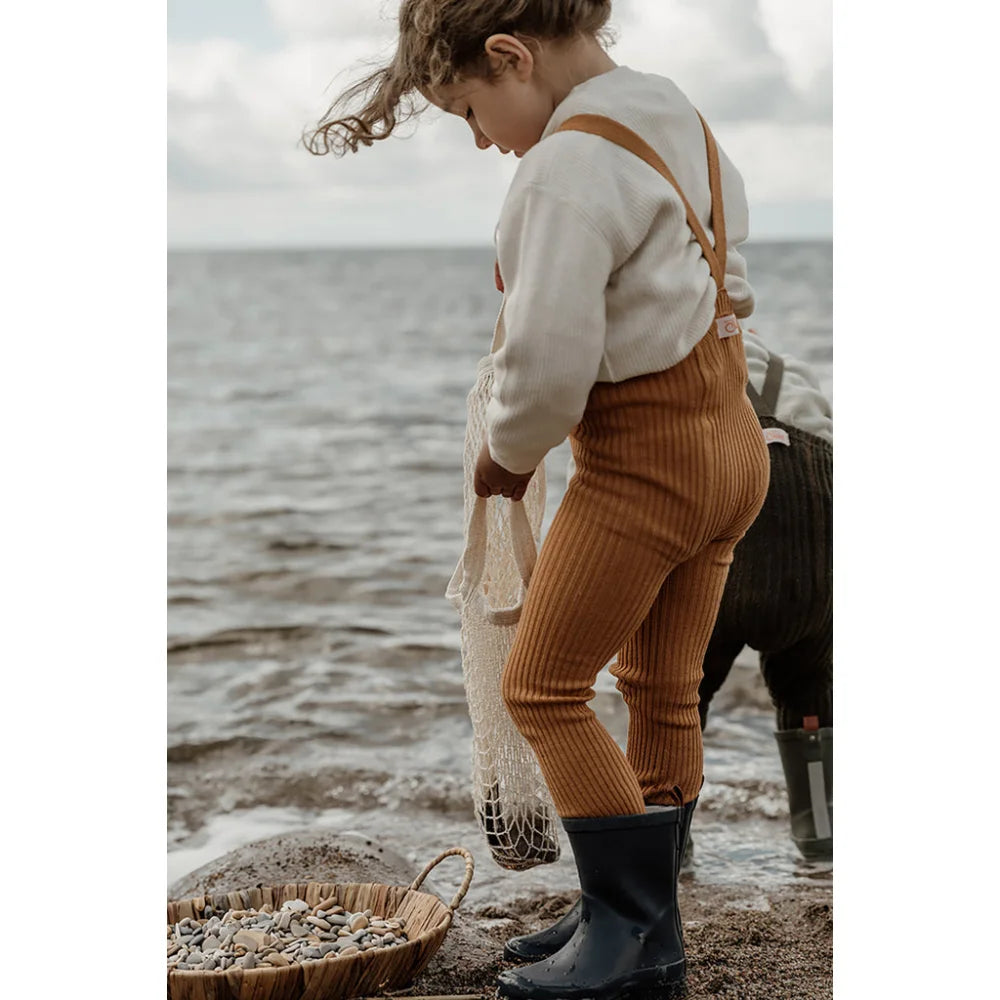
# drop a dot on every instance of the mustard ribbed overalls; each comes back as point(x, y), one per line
point(672, 469)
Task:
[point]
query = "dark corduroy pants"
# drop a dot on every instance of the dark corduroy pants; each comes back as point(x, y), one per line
point(672, 469)
point(779, 595)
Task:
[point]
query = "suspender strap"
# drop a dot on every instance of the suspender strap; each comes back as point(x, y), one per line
point(772, 383)
point(718, 219)
point(755, 401)
point(613, 131)
point(765, 404)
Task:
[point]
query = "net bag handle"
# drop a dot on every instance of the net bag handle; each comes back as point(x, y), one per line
point(468, 576)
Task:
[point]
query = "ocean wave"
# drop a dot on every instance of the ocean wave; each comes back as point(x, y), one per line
point(247, 637)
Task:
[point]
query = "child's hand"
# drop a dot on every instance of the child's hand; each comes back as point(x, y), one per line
point(492, 479)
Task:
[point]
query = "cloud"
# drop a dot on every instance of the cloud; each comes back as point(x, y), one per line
point(800, 32)
point(758, 69)
point(780, 163)
point(738, 60)
point(309, 19)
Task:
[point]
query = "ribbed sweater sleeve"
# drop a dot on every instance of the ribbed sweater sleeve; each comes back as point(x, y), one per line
point(555, 266)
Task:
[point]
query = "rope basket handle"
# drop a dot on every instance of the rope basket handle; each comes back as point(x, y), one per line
point(470, 867)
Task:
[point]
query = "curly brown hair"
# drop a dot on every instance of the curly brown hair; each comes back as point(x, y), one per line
point(440, 42)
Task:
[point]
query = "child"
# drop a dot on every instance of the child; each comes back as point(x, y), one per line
point(617, 331)
point(779, 595)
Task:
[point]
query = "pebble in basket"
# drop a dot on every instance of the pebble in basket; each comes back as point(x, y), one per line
point(417, 921)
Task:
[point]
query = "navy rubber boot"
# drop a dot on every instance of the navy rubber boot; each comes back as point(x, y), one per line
point(547, 941)
point(628, 942)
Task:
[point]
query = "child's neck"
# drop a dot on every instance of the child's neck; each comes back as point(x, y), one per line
point(568, 64)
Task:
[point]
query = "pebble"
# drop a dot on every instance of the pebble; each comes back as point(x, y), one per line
point(252, 940)
point(297, 933)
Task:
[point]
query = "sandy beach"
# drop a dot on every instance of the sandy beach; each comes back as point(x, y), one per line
point(741, 942)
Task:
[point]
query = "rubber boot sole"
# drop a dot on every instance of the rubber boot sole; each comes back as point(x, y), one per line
point(663, 983)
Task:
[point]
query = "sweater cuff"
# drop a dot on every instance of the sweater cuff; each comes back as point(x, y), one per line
point(518, 463)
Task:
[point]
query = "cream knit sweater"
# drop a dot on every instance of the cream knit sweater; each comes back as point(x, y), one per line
point(603, 278)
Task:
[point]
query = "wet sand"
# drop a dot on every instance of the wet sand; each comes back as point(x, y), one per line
point(742, 942)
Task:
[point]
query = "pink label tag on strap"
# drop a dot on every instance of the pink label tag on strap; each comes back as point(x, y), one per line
point(775, 435)
point(728, 326)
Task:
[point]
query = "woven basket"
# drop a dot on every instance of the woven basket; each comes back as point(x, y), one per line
point(391, 967)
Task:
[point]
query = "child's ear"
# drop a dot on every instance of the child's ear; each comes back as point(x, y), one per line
point(510, 53)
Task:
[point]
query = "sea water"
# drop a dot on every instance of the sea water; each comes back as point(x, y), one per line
point(316, 425)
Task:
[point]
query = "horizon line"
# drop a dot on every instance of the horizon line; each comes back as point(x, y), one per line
point(315, 247)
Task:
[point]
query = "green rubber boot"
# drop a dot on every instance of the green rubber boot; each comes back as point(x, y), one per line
point(807, 760)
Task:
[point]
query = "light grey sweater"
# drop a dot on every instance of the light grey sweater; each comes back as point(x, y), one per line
point(603, 278)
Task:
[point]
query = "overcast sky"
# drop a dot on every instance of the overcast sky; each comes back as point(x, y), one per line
point(246, 76)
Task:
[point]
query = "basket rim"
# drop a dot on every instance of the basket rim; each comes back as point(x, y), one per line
point(342, 885)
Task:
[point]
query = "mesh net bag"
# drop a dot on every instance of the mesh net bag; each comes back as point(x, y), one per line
point(512, 803)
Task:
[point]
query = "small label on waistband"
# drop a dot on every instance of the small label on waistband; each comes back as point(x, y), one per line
point(775, 435)
point(728, 326)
